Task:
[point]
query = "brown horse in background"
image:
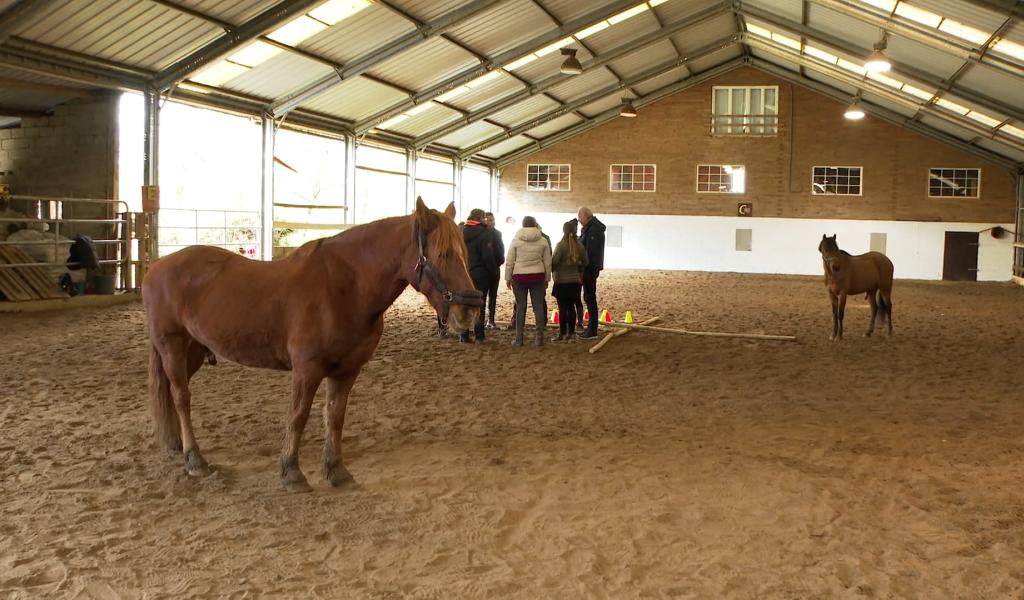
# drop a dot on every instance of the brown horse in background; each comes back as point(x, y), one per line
point(318, 313)
point(869, 273)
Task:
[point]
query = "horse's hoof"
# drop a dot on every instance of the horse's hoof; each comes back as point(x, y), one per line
point(195, 464)
point(295, 482)
point(338, 476)
point(867, 334)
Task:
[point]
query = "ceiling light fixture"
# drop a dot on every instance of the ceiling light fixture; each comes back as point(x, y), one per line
point(627, 110)
point(854, 112)
point(571, 65)
point(877, 61)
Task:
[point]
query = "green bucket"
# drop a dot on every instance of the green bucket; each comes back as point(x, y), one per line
point(104, 284)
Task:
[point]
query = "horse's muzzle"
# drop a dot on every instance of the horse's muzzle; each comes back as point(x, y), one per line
point(467, 298)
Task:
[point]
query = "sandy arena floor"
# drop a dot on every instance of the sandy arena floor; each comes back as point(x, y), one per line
point(663, 466)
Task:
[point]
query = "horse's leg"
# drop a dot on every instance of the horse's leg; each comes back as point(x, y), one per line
point(874, 313)
point(176, 356)
point(835, 314)
point(305, 381)
point(887, 296)
point(841, 313)
point(334, 420)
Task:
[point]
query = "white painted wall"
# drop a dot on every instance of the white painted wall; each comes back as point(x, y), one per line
point(784, 246)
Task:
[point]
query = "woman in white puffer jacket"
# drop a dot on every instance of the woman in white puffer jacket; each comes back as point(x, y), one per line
point(528, 271)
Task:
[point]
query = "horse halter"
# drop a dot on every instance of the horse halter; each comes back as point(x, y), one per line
point(423, 267)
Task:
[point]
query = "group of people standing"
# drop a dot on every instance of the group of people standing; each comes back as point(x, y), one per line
point(574, 264)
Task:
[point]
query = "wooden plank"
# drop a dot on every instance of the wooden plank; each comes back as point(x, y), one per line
point(756, 336)
point(619, 332)
point(36, 279)
point(10, 283)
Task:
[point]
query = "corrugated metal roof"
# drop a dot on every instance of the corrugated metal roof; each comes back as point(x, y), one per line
point(791, 9)
point(471, 134)
point(762, 54)
point(35, 78)
point(429, 119)
point(567, 10)
point(947, 127)
point(507, 146)
point(846, 28)
point(656, 83)
point(28, 100)
point(354, 99)
point(1003, 149)
point(358, 35)
point(621, 33)
point(644, 59)
point(425, 64)
point(994, 84)
point(232, 11)
point(283, 73)
point(903, 51)
point(896, 107)
point(694, 38)
point(489, 92)
point(676, 10)
point(503, 27)
point(829, 81)
point(554, 126)
point(139, 34)
point(607, 103)
point(581, 85)
point(1016, 33)
point(548, 65)
point(968, 13)
point(715, 59)
point(428, 10)
point(524, 110)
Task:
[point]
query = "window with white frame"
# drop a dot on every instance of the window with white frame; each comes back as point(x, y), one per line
point(632, 178)
point(548, 178)
point(745, 110)
point(842, 181)
point(954, 183)
point(721, 179)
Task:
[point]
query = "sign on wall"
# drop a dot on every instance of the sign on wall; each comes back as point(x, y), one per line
point(150, 198)
point(745, 209)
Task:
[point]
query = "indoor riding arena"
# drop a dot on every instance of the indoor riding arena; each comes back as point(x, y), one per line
point(244, 246)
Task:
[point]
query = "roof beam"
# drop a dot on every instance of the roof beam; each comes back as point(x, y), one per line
point(878, 89)
point(597, 61)
point(17, 14)
point(519, 51)
point(924, 35)
point(885, 114)
point(45, 88)
point(265, 21)
point(595, 96)
point(6, 111)
point(812, 35)
point(611, 114)
point(366, 62)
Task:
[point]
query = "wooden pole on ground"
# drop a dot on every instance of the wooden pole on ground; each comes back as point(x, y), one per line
point(756, 336)
point(617, 333)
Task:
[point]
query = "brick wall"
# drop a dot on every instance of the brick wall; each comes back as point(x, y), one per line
point(674, 134)
point(71, 153)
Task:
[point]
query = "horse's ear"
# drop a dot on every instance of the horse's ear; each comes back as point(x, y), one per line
point(422, 214)
point(450, 211)
point(823, 237)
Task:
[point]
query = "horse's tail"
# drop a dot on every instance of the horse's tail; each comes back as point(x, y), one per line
point(880, 299)
point(165, 416)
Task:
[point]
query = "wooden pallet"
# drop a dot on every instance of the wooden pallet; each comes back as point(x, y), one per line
point(21, 284)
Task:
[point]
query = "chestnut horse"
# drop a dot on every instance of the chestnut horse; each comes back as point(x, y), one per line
point(869, 273)
point(318, 313)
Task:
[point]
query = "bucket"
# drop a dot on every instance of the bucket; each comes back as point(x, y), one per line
point(104, 284)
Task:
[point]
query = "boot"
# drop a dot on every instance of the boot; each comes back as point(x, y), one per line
point(571, 338)
point(517, 340)
point(538, 338)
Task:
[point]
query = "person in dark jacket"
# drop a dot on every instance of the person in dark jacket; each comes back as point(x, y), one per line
point(592, 238)
point(567, 264)
point(483, 267)
point(499, 255)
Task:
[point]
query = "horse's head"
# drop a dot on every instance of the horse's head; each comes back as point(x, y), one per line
point(440, 273)
point(828, 245)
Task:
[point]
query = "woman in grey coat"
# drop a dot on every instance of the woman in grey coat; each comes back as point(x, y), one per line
point(528, 271)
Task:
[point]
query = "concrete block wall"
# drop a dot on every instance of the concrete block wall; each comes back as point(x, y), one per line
point(675, 135)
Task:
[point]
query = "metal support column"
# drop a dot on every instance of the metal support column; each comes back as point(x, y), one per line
point(267, 195)
point(1018, 239)
point(350, 178)
point(457, 195)
point(410, 179)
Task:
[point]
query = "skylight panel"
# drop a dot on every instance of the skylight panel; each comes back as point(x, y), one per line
point(297, 30)
point(889, 81)
point(919, 15)
point(452, 93)
point(335, 11)
point(953, 106)
point(627, 14)
point(529, 58)
point(218, 73)
point(786, 41)
point(918, 92)
point(481, 80)
point(589, 31)
point(849, 66)
point(254, 54)
point(821, 55)
point(1009, 48)
point(975, 36)
point(1014, 131)
point(886, 5)
point(758, 30)
point(983, 118)
point(562, 43)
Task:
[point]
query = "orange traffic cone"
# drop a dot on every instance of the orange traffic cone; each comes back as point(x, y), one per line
point(606, 317)
point(586, 317)
point(554, 317)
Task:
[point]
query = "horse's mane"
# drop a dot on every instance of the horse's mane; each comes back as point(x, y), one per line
point(447, 238)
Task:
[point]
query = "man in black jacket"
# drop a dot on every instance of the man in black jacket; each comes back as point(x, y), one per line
point(483, 267)
point(592, 238)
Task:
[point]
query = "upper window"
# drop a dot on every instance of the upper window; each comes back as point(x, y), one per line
point(548, 178)
point(844, 181)
point(721, 179)
point(745, 110)
point(954, 183)
point(632, 178)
